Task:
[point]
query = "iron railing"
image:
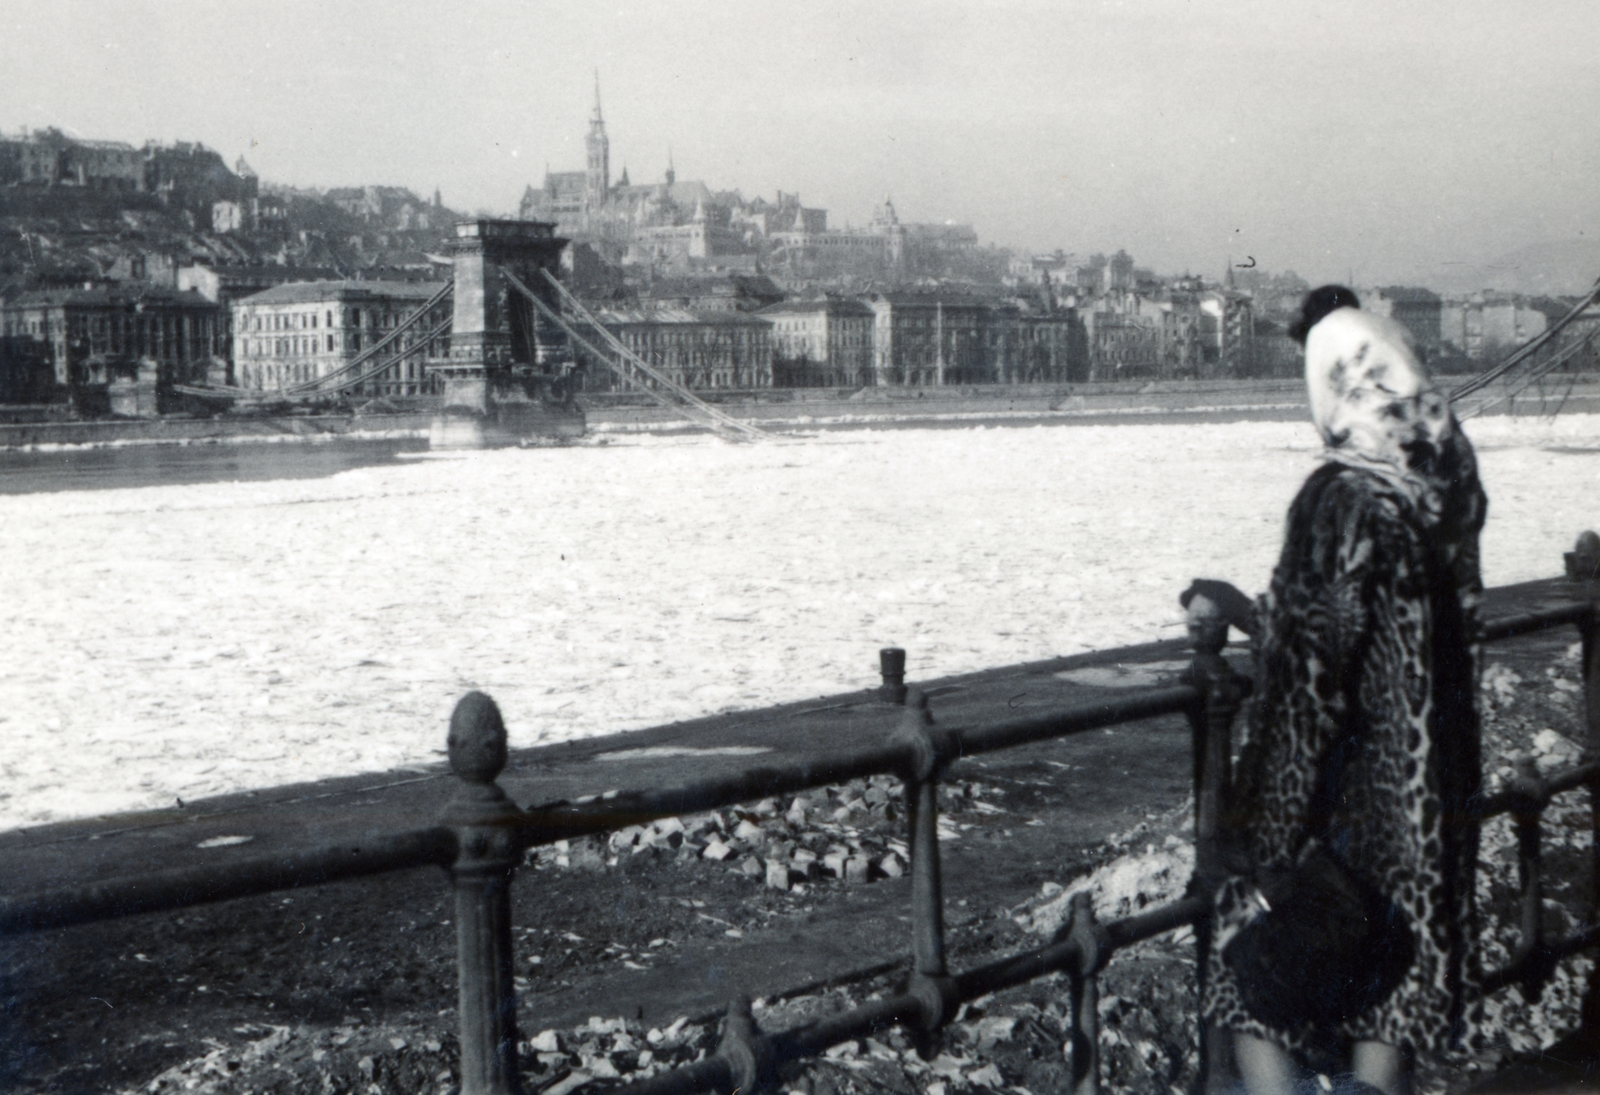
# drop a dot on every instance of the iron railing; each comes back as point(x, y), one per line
point(483, 837)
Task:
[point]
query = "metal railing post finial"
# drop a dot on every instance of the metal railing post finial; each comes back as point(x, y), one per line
point(892, 667)
point(485, 822)
point(1583, 561)
point(741, 1048)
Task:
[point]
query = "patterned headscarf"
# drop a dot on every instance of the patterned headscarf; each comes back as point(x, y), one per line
point(1373, 403)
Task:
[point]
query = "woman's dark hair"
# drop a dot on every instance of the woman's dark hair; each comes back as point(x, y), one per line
point(1318, 303)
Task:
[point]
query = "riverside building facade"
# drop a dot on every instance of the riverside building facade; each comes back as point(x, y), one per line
point(922, 340)
point(89, 337)
point(824, 343)
point(300, 332)
point(700, 350)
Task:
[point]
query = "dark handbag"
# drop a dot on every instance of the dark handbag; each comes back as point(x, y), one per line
point(1325, 948)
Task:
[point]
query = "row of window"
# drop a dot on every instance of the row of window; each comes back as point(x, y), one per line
point(247, 348)
point(286, 347)
point(82, 325)
point(311, 320)
point(287, 321)
point(274, 375)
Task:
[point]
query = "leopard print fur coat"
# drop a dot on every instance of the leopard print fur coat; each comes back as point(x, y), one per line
point(1363, 731)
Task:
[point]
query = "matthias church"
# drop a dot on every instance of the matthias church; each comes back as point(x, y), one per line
point(676, 223)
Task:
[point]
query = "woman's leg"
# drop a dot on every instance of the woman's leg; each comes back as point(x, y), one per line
point(1266, 1068)
point(1381, 1065)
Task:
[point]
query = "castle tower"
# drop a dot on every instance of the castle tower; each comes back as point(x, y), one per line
point(885, 222)
point(598, 183)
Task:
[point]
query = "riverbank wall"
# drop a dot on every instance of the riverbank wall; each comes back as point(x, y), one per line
point(634, 411)
point(188, 431)
point(799, 408)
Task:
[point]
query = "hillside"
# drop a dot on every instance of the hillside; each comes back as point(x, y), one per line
point(66, 234)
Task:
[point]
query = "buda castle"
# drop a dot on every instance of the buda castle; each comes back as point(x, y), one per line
point(673, 223)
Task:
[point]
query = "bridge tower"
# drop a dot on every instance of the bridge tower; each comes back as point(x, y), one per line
point(509, 374)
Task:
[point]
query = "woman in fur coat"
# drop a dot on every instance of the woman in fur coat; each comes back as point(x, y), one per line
point(1363, 733)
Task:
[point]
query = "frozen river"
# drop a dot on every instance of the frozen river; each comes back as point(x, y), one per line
point(184, 640)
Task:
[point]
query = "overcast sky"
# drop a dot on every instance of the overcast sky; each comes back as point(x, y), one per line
point(1384, 139)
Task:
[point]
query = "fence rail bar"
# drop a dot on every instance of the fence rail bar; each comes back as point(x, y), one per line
point(1077, 719)
point(184, 886)
point(566, 821)
point(1561, 782)
point(1509, 627)
point(1550, 953)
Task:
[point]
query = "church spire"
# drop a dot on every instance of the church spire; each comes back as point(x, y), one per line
point(597, 182)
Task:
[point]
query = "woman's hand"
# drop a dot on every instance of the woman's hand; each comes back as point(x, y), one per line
point(1231, 602)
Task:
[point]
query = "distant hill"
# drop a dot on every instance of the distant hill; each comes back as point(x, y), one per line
point(1559, 268)
point(60, 234)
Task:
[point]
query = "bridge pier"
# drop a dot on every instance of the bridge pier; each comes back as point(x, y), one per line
point(508, 377)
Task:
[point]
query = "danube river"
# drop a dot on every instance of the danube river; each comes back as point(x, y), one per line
point(289, 612)
point(111, 466)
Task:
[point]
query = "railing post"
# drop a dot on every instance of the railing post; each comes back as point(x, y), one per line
point(1529, 790)
point(1583, 568)
point(1221, 695)
point(1589, 631)
point(926, 755)
point(1212, 725)
point(1083, 1035)
point(485, 823)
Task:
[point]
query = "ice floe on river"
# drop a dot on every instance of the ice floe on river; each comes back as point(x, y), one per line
point(180, 641)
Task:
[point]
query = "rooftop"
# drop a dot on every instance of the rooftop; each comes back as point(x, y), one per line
point(505, 229)
point(270, 274)
point(1407, 294)
point(127, 295)
point(833, 305)
point(308, 292)
point(682, 316)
